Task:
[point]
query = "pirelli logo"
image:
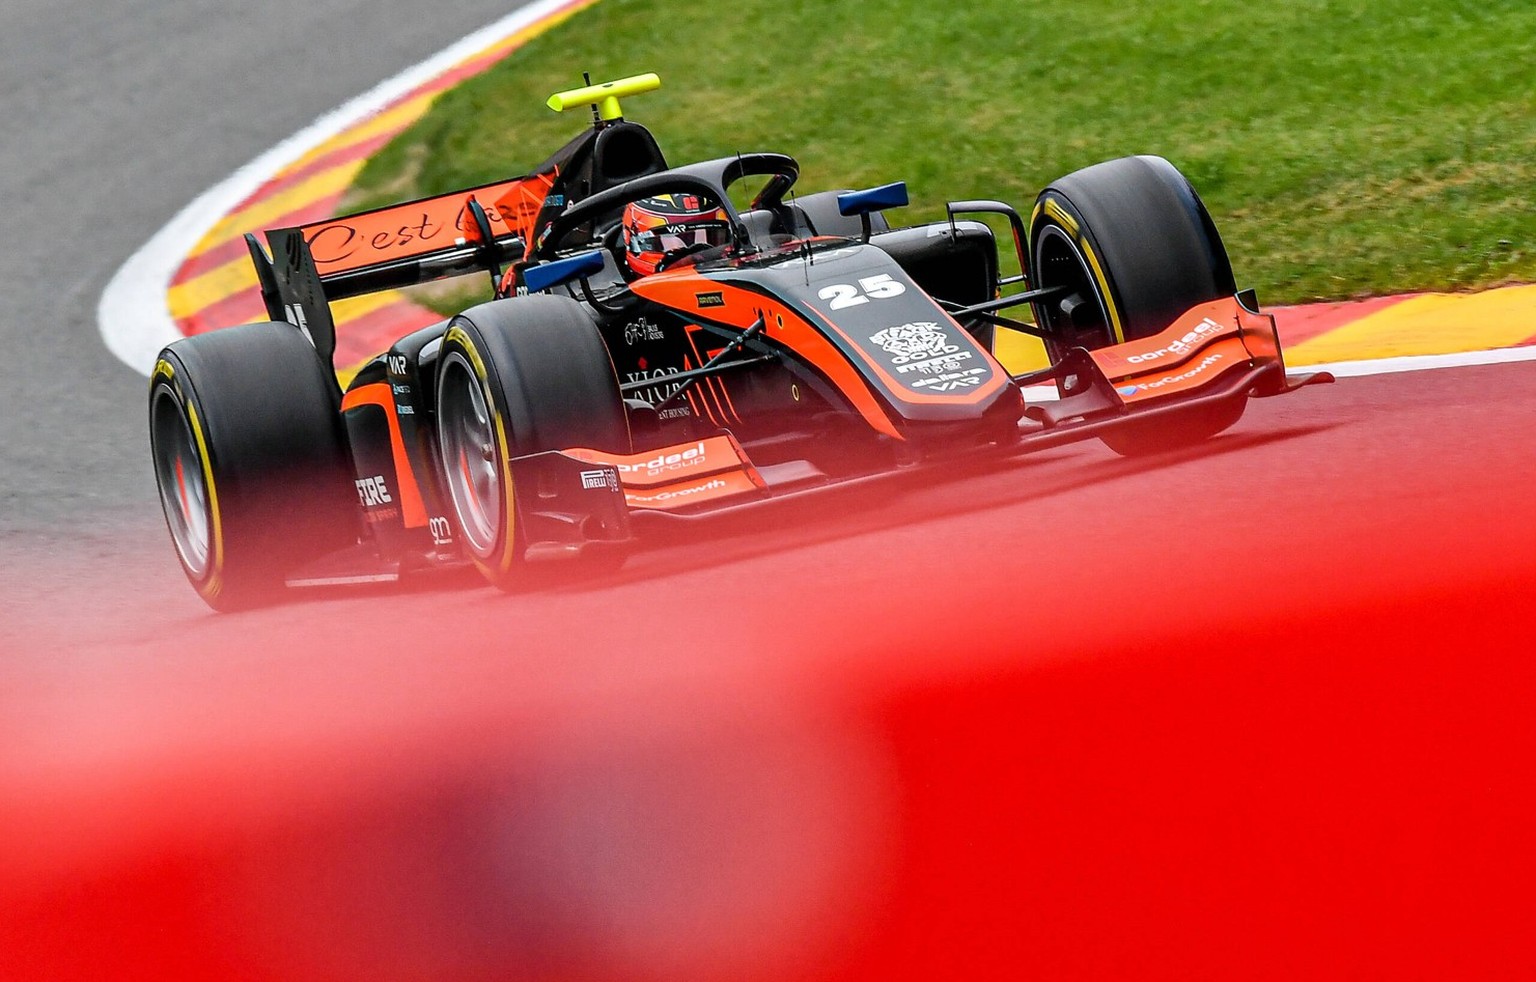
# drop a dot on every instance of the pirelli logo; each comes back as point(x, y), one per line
point(599, 480)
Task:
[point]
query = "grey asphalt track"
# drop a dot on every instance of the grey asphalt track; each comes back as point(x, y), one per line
point(114, 117)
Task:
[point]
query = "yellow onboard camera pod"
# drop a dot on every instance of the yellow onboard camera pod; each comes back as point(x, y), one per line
point(605, 95)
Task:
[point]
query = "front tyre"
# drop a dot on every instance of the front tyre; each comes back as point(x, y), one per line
point(250, 460)
point(1131, 247)
point(516, 377)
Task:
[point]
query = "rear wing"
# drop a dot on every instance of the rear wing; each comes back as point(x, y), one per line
point(476, 229)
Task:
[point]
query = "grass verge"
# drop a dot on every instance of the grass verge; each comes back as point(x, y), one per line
point(1345, 149)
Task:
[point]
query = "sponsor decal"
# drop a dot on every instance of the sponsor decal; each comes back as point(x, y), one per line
point(950, 381)
point(694, 491)
point(441, 529)
point(336, 242)
point(928, 360)
point(696, 459)
point(599, 480)
point(714, 484)
point(384, 234)
point(1129, 390)
point(684, 228)
point(675, 412)
point(555, 201)
point(655, 393)
point(642, 330)
point(1205, 363)
point(918, 341)
point(373, 492)
point(417, 228)
point(1203, 331)
point(943, 363)
point(543, 234)
point(395, 364)
point(403, 404)
point(714, 299)
point(666, 463)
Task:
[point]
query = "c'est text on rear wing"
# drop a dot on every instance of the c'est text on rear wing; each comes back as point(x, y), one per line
point(388, 248)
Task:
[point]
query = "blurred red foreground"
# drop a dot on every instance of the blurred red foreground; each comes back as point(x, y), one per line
point(1205, 746)
point(1342, 795)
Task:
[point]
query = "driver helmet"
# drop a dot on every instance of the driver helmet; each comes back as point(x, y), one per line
point(654, 227)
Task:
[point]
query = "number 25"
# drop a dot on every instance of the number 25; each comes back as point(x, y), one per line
point(874, 287)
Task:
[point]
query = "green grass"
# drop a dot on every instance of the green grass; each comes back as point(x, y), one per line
point(1345, 148)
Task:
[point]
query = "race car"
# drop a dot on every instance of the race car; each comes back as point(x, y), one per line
point(809, 345)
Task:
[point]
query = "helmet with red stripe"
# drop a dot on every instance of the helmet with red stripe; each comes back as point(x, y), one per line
point(656, 227)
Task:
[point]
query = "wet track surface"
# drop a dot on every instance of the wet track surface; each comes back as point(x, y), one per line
point(1263, 706)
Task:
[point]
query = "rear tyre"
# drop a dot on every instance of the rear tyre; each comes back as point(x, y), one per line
point(515, 377)
point(250, 459)
point(1134, 247)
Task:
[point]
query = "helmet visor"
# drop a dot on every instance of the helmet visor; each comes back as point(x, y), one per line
point(670, 238)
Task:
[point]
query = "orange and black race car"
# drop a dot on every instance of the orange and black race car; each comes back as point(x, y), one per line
point(812, 345)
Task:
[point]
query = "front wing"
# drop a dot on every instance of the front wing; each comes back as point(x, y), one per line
point(1217, 351)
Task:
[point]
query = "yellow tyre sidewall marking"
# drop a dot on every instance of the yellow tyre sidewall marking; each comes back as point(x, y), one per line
point(1060, 214)
point(1109, 301)
point(1052, 204)
point(457, 335)
point(213, 581)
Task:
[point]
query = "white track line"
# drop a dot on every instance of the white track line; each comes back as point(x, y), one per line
point(132, 315)
point(135, 322)
point(1368, 366)
point(1416, 363)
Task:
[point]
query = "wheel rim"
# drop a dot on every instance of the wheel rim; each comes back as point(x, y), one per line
point(468, 440)
point(1060, 263)
point(179, 475)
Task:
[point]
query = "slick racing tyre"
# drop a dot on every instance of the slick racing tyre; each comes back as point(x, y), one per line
point(250, 459)
point(1133, 247)
point(516, 377)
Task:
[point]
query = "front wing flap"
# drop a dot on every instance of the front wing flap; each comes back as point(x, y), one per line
point(1221, 349)
point(686, 477)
